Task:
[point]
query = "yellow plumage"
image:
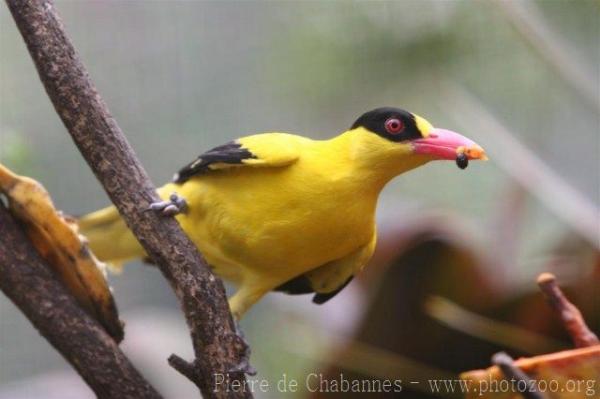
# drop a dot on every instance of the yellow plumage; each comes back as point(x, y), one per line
point(289, 206)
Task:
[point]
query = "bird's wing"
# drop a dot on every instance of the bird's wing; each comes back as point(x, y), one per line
point(329, 279)
point(261, 150)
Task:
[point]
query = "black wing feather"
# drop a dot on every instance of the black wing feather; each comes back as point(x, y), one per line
point(320, 299)
point(301, 285)
point(231, 153)
point(296, 286)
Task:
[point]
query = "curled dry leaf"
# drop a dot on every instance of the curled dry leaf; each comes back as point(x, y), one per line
point(56, 238)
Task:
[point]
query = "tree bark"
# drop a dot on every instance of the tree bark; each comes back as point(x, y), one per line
point(32, 287)
point(103, 145)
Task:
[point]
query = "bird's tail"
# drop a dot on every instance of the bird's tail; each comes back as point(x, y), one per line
point(109, 237)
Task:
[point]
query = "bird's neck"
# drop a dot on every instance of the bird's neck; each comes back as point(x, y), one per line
point(371, 160)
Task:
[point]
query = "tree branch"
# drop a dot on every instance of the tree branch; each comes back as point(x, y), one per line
point(106, 150)
point(569, 315)
point(30, 284)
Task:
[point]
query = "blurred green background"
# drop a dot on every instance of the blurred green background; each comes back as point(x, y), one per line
point(521, 78)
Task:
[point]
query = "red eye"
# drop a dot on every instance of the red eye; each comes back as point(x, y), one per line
point(394, 126)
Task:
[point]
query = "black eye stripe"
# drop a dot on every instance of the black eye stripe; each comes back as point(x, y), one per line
point(375, 121)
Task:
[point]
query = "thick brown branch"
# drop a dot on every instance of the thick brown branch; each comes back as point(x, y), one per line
point(29, 283)
point(570, 316)
point(114, 163)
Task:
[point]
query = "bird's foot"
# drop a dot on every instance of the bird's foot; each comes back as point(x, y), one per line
point(244, 365)
point(174, 206)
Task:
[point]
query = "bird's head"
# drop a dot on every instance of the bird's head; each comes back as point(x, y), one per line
point(400, 140)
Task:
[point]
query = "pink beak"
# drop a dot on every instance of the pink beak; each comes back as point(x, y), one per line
point(446, 144)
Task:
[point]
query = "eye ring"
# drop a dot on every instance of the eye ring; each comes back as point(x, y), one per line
point(394, 126)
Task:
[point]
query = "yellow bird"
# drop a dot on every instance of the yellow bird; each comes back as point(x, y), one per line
point(277, 211)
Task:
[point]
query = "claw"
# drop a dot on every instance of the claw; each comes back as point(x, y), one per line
point(174, 206)
point(244, 365)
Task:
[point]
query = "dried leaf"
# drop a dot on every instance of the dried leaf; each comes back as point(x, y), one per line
point(57, 240)
point(567, 375)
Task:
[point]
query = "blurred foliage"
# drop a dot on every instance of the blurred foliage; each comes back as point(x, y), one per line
point(432, 338)
point(15, 152)
point(181, 77)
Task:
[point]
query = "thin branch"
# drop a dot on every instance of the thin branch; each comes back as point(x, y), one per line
point(30, 284)
point(570, 316)
point(498, 332)
point(513, 372)
point(116, 166)
point(182, 366)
